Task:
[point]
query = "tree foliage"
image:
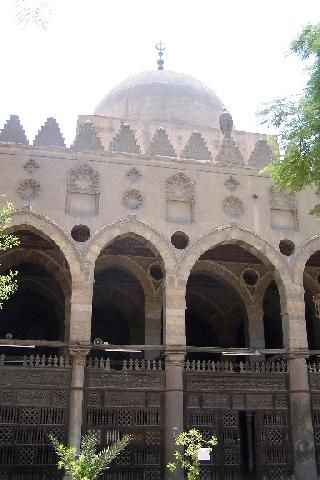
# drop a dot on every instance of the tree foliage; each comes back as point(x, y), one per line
point(88, 464)
point(192, 441)
point(8, 282)
point(298, 121)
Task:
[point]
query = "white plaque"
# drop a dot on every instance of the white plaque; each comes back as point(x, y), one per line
point(204, 454)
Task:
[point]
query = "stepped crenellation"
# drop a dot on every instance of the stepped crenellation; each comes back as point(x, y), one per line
point(126, 140)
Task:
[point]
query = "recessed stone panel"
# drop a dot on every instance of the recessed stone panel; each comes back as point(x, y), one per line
point(82, 204)
point(283, 219)
point(179, 211)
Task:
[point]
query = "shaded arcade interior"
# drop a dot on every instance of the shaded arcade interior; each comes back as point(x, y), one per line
point(40, 308)
point(127, 305)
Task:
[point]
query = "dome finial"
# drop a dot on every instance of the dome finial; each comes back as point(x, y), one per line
point(161, 48)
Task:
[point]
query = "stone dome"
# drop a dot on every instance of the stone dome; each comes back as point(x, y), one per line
point(163, 96)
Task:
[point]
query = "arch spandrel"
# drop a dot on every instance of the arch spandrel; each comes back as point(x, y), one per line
point(302, 255)
point(111, 232)
point(48, 229)
point(243, 237)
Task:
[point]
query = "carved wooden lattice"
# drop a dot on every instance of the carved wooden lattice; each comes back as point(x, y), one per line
point(127, 401)
point(273, 445)
point(314, 379)
point(225, 457)
point(33, 403)
point(233, 403)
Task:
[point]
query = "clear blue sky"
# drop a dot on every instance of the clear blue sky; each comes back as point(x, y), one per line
point(238, 48)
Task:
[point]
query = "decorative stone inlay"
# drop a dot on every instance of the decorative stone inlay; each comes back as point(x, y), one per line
point(180, 187)
point(282, 200)
point(286, 247)
point(196, 148)
point(132, 199)
point(83, 179)
point(283, 210)
point(161, 145)
point(231, 183)
point(28, 189)
point(31, 166)
point(124, 141)
point(13, 132)
point(87, 138)
point(250, 276)
point(83, 187)
point(233, 206)
point(180, 191)
point(261, 155)
point(49, 135)
point(80, 233)
point(133, 174)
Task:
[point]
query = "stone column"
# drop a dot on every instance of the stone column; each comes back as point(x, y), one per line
point(152, 325)
point(173, 407)
point(81, 309)
point(295, 338)
point(76, 395)
point(175, 341)
point(255, 324)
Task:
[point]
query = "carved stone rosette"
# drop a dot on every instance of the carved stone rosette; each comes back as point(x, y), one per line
point(31, 166)
point(133, 174)
point(132, 199)
point(233, 206)
point(28, 189)
point(231, 183)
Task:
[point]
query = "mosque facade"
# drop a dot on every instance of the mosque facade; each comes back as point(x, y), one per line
point(163, 284)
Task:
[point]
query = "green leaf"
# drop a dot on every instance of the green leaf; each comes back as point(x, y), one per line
point(298, 121)
point(88, 464)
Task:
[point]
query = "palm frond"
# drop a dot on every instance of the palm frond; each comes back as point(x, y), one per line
point(105, 457)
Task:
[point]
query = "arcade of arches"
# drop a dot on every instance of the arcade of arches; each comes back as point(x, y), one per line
point(232, 298)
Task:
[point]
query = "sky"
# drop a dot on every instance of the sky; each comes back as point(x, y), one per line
point(240, 49)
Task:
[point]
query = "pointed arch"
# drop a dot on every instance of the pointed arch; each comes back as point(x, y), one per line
point(302, 255)
point(241, 236)
point(51, 231)
point(216, 270)
point(21, 255)
point(127, 227)
point(125, 263)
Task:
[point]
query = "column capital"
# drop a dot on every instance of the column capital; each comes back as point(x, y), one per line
point(78, 353)
point(175, 357)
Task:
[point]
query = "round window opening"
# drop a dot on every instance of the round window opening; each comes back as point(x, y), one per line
point(180, 240)
point(80, 233)
point(155, 272)
point(286, 247)
point(250, 276)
